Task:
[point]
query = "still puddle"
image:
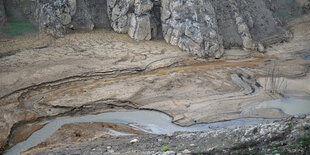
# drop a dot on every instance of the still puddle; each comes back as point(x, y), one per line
point(149, 121)
point(291, 106)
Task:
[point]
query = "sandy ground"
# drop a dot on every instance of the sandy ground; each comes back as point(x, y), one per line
point(103, 71)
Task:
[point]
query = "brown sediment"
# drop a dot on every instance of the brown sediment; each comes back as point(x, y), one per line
point(82, 132)
point(21, 133)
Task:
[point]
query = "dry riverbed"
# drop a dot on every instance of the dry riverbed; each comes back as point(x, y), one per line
point(101, 71)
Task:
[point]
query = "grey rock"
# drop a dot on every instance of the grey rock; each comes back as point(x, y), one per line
point(260, 47)
point(133, 17)
point(192, 26)
point(55, 16)
point(119, 12)
point(60, 16)
point(82, 19)
point(186, 151)
point(98, 12)
point(2, 13)
point(306, 6)
point(169, 153)
point(143, 6)
point(205, 27)
point(201, 27)
point(140, 27)
point(52, 17)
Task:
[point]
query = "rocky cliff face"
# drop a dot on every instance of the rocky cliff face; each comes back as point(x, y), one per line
point(192, 25)
point(202, 27)
point(139, 18)
point(2, 13)
point(60, 16)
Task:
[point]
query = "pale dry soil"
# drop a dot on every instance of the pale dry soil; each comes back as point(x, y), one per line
point(101, 71)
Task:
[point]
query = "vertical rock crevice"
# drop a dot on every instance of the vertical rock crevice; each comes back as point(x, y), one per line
point(242, 25)
point(138, 18)
point(2, 13)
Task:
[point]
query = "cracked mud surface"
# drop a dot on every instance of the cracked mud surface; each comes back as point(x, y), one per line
point(101, 71)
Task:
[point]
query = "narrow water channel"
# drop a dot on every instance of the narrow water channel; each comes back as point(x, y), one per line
point(291, 106)
point(151, 121)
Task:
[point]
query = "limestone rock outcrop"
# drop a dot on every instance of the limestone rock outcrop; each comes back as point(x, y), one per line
point(61, 16)
point(201, 27)
point(2, 13)
point(58, 17)
point(192, 25)
point(55, 16)
point(140, 22)
point(138, 18)
point(204, 27)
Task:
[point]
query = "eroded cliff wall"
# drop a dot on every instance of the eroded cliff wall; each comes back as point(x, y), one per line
point(202, 27)
point(57, 17)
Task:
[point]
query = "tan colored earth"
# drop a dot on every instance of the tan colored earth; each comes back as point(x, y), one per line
point(101, 71)
point(83, 132)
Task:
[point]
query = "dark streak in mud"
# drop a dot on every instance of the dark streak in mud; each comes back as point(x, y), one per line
point(41, 47)
point(10, 53)
point(86, 76)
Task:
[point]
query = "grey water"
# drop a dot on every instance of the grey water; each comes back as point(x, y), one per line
point(149, 121)
point(291, 106)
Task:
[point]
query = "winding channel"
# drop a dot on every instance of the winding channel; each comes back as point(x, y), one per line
point(149, 121)
point(159, 123)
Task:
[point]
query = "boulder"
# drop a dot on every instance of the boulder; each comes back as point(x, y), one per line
point(140, 22)
point(134, 17)
point(55, 16)
point(140, 27)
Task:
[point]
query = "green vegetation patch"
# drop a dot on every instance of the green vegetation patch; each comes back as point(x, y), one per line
point(286, 9)
point(304, 141)
point(19, 27)
point(165, 149)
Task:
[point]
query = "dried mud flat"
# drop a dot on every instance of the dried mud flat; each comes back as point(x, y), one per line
point(101, 71)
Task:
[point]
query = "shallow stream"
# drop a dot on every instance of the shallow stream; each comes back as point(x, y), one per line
point(149, 121)
point(159, 123)
point(291, 106)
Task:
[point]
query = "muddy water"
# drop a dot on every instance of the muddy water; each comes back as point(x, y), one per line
point(149, 121)
point(291, 106)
